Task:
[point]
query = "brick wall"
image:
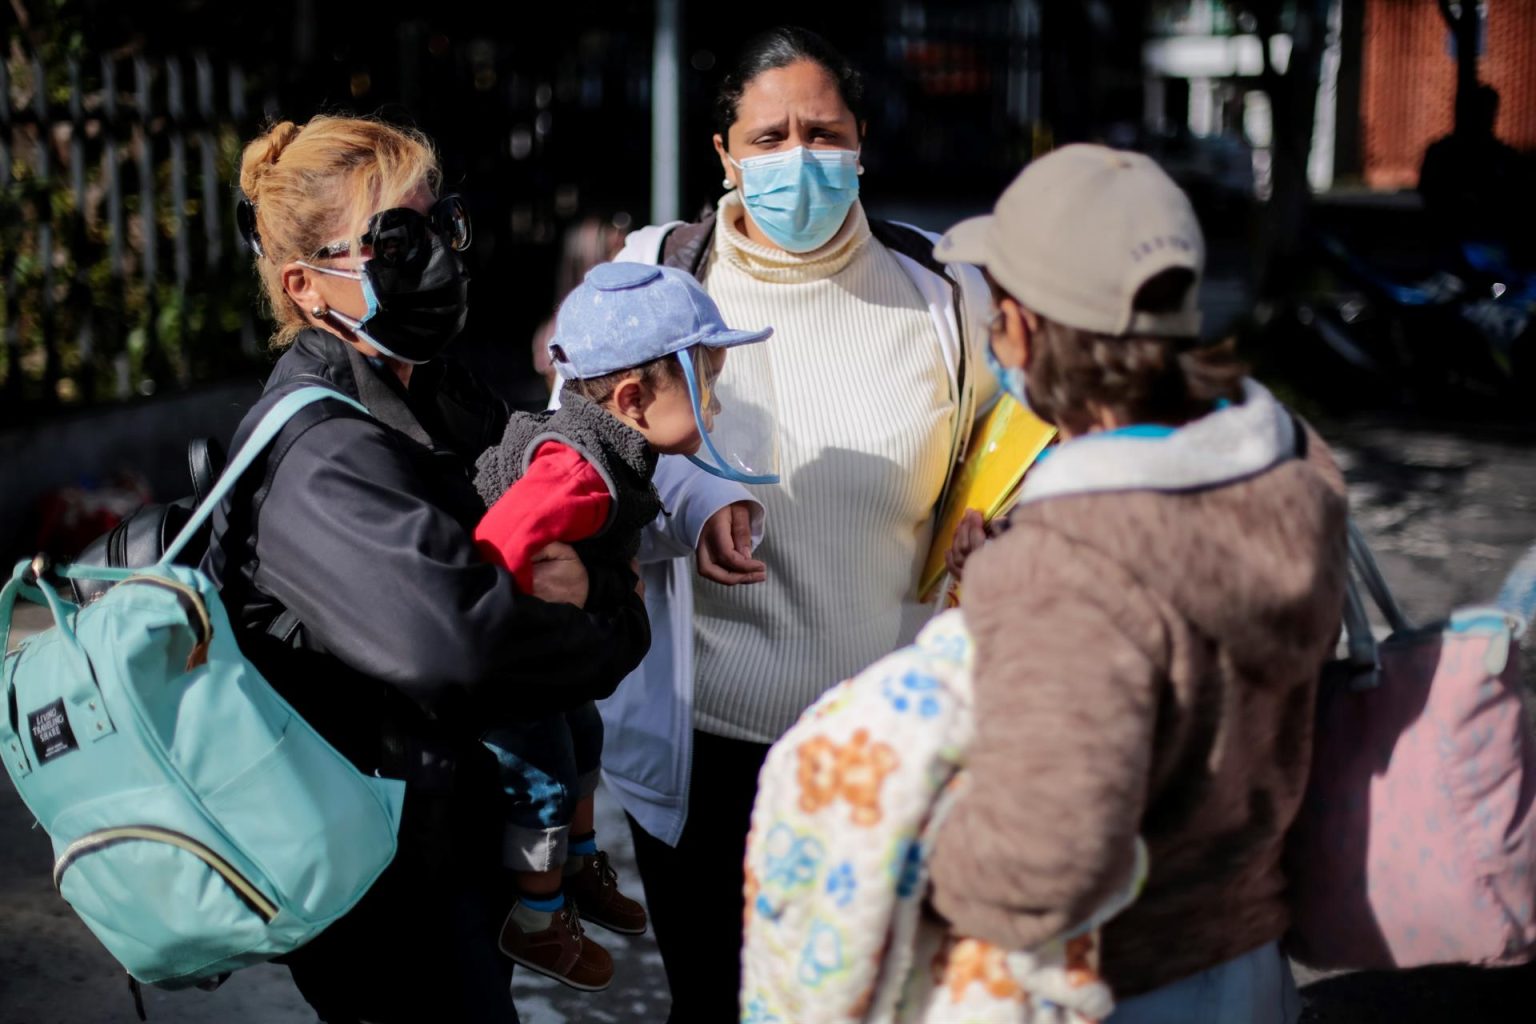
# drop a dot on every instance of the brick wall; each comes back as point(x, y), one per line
point(1409, 88)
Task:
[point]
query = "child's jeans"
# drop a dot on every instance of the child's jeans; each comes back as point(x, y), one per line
point(547, 766)
point(1255, 988)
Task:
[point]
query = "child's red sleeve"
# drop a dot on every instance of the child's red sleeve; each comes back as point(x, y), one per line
point(562, 498)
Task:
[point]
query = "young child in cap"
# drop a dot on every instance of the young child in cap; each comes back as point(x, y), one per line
point(1150, 629)
point(641, 349)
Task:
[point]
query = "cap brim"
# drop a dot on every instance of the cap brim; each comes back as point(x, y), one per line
point(966, 242)
point(730, 339)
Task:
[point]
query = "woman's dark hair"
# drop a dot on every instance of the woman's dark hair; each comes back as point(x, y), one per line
point(779, 48)
point(1139, 379)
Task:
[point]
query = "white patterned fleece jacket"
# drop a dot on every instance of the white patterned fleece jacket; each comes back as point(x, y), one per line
point(848, 805)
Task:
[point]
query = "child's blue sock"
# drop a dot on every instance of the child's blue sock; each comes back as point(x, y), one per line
point(578, 850)
point(545, 905)
point(535, 913)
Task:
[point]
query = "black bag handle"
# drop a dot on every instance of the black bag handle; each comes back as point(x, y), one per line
point(205, 461)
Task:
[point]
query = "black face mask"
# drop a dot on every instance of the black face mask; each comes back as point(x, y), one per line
point(415, 308)
point(415, 284)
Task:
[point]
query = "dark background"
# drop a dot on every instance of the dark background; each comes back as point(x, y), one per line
point(123, 338)
point(542, 111)
point(542, 114)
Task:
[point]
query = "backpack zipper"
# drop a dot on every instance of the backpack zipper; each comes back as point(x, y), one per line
point(94, 842)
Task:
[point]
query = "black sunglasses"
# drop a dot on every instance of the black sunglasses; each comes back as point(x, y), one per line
point(397, 236)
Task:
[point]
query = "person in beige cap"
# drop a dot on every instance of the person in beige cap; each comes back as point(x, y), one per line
point(1150, 627)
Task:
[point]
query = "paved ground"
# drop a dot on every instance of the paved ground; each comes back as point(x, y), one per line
point(1447, 509)
point(52, 970)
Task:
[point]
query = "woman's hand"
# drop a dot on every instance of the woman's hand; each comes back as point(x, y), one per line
point(559, 577)
point(725, 547)
point(969, 535)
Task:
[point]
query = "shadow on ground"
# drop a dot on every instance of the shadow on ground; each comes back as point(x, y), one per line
point(1448, 510)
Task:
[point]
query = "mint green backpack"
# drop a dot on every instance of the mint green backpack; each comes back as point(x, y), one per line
point(199, 825)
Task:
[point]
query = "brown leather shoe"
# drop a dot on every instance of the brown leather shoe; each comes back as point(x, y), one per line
point(560, 951)
point(595, 891)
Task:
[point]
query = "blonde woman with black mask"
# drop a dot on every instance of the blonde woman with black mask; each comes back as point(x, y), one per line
point(351, 573)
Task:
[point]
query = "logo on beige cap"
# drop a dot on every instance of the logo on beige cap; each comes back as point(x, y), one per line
point(1158, 243)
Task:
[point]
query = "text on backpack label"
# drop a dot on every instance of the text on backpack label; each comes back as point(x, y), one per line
point(51, 734)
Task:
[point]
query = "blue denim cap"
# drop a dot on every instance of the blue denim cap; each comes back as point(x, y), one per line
point(627, 314)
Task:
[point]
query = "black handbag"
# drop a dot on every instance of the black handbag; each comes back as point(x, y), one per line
point(142, 537)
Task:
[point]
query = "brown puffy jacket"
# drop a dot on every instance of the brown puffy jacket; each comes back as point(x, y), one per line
point(1148, 634)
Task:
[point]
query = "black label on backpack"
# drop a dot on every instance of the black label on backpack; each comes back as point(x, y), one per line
point(51, 734)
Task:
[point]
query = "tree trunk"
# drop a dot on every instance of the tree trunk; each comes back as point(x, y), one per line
point(1466, 29)
point(1293, 105)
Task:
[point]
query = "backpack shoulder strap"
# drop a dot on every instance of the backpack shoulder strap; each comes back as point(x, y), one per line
point(266, 429)
point(687, 246)
point(911, 243)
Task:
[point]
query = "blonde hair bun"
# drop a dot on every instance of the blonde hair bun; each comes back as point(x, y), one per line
point(262, 152)
point(314, 183)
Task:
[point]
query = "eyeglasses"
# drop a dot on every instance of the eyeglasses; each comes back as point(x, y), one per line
point(397, 236)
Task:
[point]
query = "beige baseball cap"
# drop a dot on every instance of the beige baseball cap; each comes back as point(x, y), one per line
point(1077, 234)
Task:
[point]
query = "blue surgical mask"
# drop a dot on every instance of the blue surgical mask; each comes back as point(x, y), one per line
point(1010, 378)
point(800, 197)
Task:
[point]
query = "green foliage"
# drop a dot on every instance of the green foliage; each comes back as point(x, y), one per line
point(100, 318)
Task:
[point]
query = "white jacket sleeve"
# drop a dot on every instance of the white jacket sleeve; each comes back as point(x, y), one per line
point(690, 496)
point(964, 322)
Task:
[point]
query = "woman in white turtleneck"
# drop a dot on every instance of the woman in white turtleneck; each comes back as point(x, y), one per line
point(877, 372)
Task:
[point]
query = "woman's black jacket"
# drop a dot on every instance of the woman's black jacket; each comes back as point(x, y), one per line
point(346, 558)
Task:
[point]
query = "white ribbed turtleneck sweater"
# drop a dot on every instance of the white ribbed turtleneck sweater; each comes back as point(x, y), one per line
point(865, 414)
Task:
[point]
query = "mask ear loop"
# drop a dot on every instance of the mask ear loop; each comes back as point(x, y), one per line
point(351, 323)
point(356, 327)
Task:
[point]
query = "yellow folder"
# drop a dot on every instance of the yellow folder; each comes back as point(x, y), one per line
point(1003, 447)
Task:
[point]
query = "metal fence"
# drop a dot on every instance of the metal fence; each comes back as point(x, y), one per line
point(123, 272)
point(121, 269)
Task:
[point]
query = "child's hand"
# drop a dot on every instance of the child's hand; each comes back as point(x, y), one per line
point(969, 536)
point(559, 577)
point(725, 547)
point(634, 567)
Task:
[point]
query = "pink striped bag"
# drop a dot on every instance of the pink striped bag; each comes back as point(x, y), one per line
point(1416, 843)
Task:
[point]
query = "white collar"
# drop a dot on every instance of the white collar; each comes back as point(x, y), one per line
point(1230, 444)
